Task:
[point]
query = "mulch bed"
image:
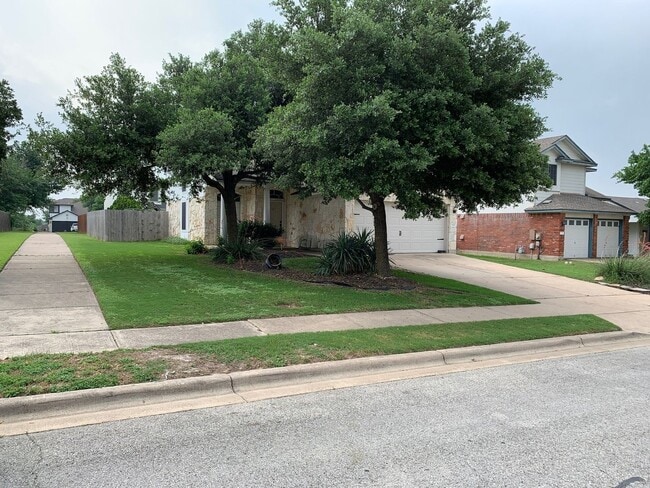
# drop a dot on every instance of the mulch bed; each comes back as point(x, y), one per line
point(361, 281)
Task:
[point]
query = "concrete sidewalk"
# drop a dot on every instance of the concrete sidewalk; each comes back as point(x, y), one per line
point(46, 304)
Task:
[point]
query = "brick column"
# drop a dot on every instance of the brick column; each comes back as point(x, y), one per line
point(626, 235)
point(594, 238)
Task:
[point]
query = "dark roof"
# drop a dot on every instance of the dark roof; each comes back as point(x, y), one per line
point(548, 142)
point(590, 192)
point(65, 201)
point(636, 204)
point(570, 202)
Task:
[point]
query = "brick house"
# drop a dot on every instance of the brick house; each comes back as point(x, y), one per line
point(568, 220)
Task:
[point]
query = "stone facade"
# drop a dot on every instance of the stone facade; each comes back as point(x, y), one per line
point(310, 223)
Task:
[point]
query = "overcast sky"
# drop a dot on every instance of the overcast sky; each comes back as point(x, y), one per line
point(601, 49)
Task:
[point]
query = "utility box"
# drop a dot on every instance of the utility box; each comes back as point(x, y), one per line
point(531, 234)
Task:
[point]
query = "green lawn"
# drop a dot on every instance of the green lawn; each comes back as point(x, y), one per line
point(144, 284)
point(580, 270)
point(9, 244)
point(63, 372)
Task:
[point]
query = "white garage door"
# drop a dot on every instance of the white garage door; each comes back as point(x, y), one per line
point(576, 238)
point(405, 235)
point(609, 238)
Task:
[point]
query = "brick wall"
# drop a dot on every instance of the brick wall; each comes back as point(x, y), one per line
point(504, 233)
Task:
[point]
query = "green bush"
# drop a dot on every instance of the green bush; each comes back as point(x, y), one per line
point(125, 202)
point(196, 247)
point(348, 254)
point(255, 230)
point(626, 271)
point(239, 250)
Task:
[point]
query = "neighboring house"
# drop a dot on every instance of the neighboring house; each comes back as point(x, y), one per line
point(639, 234)
point(306, 223)
point(568, 220)
point(63, 213)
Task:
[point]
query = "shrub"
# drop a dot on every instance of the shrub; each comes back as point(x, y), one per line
point(125, 202)
point(627, 271)
point(348, 254)
point(196, 247)
point(238, 250)
point(255, 230)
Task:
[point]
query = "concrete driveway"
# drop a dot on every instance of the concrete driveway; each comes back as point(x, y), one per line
point(557, 295)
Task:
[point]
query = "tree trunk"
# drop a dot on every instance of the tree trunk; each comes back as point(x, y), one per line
point(382, 264)
point(228, 200)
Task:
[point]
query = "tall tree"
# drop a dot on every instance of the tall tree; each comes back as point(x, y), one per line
point(418, 98)
point(10, 115)
point(24, 185)
point(112, 119)
point(222, 101)
point(637, 173)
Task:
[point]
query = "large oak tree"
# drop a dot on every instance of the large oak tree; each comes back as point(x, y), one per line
point(422, 99)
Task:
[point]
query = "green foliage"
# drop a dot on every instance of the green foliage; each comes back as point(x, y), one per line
point(112, 122)
point(627, 271)
point(265, 234)
point(125, 202)
point(196, 247)
point(25, 222)
point(348, 254)
point(23, 182)
point(422, 99)
point(637, 173)
point(10, 116)
point(241, 249)
point(222, 100)
point(92, 201)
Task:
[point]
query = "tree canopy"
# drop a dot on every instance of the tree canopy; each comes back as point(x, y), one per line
point(10, 116)
point(423, 99)
point(112, 120)
point(637, 173)
point(222, 100)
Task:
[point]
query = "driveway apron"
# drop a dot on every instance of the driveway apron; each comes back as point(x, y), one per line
point(557, 295)
point(46, 303)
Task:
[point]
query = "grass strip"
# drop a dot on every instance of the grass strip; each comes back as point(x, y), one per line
point(64, 372)
point(579, 270)
point(145, 284)
point(9, 244)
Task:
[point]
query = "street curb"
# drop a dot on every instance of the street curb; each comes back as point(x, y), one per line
point(22, 409)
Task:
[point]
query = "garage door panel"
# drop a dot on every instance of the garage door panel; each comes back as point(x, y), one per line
point(405, 235)
point(576, 238)
point(608, 238)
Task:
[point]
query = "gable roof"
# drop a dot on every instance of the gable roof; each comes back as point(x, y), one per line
point(557, 142)
point(61, 213)
point(572, 202)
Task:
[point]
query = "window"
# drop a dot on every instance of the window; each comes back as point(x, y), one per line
point(552, 172)
point(184, 216)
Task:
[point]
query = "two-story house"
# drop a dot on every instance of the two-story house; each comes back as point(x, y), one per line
point(63, 213)
point(567, 220)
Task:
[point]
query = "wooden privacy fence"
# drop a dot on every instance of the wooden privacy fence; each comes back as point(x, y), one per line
point(5, 222)
point(83, 224)
point(128, 225)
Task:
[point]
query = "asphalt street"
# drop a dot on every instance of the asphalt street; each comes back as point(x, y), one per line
point(575, 422)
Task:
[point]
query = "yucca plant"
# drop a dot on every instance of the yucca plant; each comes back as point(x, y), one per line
point(241, 249)
point(348, 254)
point(627, 271)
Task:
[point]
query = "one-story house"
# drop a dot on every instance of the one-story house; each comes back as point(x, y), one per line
point(306, 223)
point(567, 220)
point(63, 213)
